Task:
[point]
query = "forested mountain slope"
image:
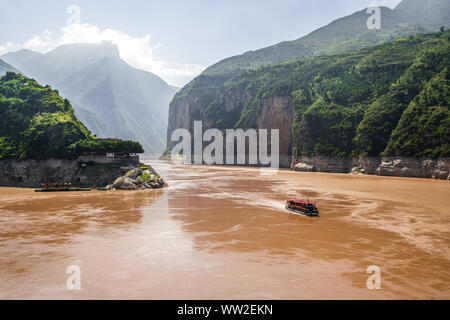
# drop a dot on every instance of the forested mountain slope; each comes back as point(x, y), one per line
point(112, 98)
point(205, 95)
point(391, 99)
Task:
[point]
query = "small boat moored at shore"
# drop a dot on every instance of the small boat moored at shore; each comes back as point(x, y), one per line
point(58, 187)
point(304, 207)
point(53, 187)
point(80, 189)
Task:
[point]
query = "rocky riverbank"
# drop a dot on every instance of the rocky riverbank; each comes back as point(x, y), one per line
point(382, 166)
point(144, 177)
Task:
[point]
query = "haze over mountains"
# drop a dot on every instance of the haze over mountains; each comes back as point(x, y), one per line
point(347, 34)
point(110, 97)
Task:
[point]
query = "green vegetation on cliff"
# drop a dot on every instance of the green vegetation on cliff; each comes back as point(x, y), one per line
point(36, 123)
point(345, 34)
point(390, 99)
point(424, 128)
point(110, 97)
point(383, 115)
point(345, 103)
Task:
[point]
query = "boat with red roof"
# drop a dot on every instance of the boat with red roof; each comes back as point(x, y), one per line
point(305, 207)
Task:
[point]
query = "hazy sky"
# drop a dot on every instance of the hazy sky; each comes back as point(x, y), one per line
point(175, 39)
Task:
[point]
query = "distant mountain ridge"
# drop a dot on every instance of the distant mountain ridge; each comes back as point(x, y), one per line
point(348, 33)
point(431, 14)
point(109, 96)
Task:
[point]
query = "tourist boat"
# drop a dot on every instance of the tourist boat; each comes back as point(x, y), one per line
point(54, 187)
point(305, 207)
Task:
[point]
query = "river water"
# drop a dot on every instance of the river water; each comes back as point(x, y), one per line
point(223, 233)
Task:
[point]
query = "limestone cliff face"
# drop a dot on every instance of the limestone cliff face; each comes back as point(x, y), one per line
point(180, 116)
point(277, 112)
point(236, 108)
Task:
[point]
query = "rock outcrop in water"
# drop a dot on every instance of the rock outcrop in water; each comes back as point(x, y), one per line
point(139, 179)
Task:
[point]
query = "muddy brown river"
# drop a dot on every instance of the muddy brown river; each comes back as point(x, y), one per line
point(223, 233)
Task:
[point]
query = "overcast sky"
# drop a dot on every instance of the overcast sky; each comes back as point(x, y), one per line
point(175, 39)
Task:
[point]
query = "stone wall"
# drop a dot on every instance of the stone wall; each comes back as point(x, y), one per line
point(105, 159)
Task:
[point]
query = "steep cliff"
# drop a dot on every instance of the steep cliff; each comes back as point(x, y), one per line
point(339, 105)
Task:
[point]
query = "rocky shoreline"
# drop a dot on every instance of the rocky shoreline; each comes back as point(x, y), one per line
point(144, 177)
point(86, 172)
point(381, 166)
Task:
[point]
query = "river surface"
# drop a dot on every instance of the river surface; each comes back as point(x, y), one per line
point(223, 233)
